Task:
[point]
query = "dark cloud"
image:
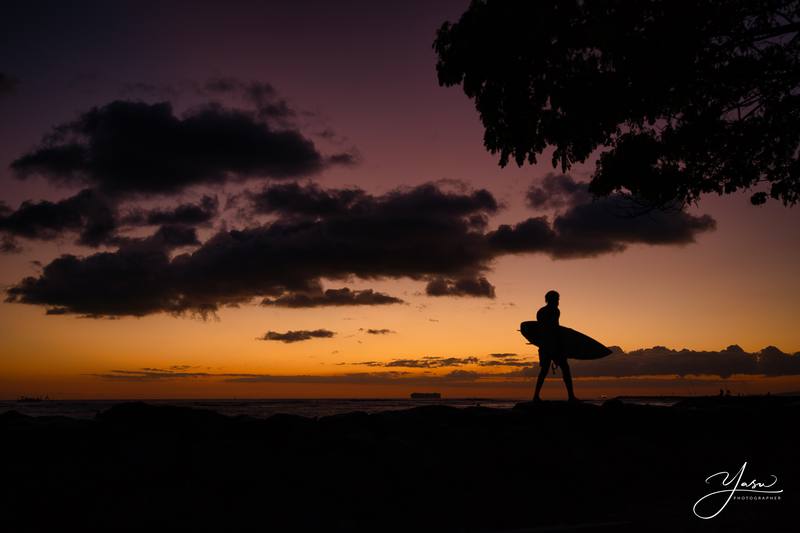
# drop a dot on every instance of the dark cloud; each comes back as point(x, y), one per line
point(88, 213)
point(505, 359)
point(382, 331)
point(605, 225)
point(462, 375)
point(306, 200)
point(590, 226)
point(167, 237)
point(327, 133)
point(557, 191)
point(423, 362)
point(134, 147)
point(297, 336)
point(350, 378)
point(427, 201)
point(387, 377)
point(263, 96)
point(423, 233)
point(410, 233)
point(152, 374)
point(657, 361)
point(660, 360)
point(155, 374)
point(95, 219)
point(465, 286)
point(130, 281)
point(332, 297)
point(192, 214)
point(135, 280)
point(432, 362)
point(9, 245)
point(509, 361)
point(347, 159)
point(8, 84)
point(528, 236)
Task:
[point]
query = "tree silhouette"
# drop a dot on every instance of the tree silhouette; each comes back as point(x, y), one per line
point(682, 97)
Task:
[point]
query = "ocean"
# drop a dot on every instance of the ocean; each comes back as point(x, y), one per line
point(87, 409)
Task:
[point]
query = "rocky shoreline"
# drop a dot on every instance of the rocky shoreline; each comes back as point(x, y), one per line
point(550, 466)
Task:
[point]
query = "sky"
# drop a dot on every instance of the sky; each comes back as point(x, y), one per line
point(279, 200)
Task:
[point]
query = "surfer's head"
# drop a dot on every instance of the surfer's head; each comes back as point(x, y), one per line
point(552, 297)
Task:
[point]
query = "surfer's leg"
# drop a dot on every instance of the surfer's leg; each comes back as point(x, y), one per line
point(544, 366)
point(567, 374)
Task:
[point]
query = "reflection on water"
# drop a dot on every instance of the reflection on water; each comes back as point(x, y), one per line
point(266, 408)
point(252, 408)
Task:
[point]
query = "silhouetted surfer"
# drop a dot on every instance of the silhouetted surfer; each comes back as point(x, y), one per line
point(550, 351)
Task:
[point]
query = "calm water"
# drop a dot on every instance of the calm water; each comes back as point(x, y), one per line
point(253, 408)
point(266, 408)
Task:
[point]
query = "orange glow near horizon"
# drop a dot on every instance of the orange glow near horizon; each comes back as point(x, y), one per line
point(58, 355)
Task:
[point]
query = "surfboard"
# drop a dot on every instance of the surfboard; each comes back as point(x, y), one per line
point(575, 344)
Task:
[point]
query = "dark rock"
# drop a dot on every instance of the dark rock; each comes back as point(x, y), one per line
point(543, 466)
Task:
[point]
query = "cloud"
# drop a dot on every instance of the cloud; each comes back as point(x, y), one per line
point(529, 236)
point(309, 200)
point(427, 201)
point(331, 297)
point(9, 245)
point(638, 364)
point(88, 212)
point(103, 284)
point(660, 360)
point(261, 94)
point(297, 336)
point(605, 225)
point(167, 237)
point(506, 361)
point(387, 377)
point(192, 214)
point(127, 147)
point(465, 286)
point(382, 331)
point(155, 374)
point(656, 361)
point(589, 226)
point(423, 362)
point(557, 191)
point(95, 219)
point(151, 374)
point(423, 233)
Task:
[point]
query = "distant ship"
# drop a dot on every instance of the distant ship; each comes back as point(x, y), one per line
point(31, 399)
point(425, 396)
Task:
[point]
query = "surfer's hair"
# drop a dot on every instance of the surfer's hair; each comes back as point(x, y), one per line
point(551, 296)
